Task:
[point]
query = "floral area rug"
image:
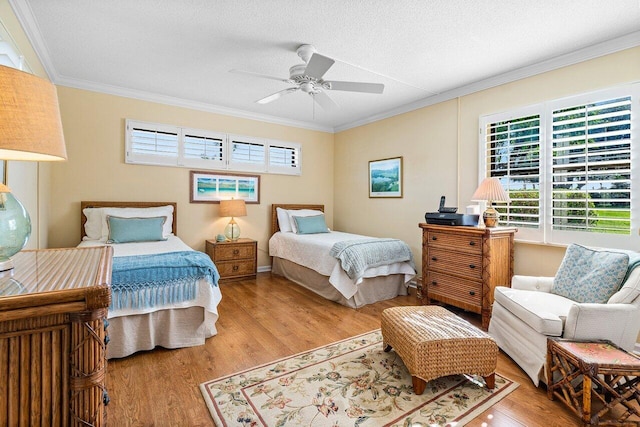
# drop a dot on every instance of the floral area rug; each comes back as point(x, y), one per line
point(348, 383)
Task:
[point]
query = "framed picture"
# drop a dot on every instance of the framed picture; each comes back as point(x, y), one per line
point(210, 187)
point(385, 177)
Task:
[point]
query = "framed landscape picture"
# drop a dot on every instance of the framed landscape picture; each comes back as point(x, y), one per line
point(385, 177)
point(210, 187)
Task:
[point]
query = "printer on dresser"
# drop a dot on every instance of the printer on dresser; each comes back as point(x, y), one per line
point(461, 266)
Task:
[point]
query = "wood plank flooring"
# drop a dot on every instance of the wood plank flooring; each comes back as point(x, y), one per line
point(266, 319)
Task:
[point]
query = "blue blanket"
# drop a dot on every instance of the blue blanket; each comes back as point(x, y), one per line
point(360, 254)
point(146, 281)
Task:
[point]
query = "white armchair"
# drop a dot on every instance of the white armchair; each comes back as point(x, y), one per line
point(527, 313)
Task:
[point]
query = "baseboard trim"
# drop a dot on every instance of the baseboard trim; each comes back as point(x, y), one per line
point(636, 348)
point(264, 269)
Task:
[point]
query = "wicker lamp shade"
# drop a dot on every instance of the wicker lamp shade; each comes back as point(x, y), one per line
point(30, 125)
point(233, 208)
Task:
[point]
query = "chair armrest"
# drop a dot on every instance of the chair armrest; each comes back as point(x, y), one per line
point(532, 283)
point(618, 323)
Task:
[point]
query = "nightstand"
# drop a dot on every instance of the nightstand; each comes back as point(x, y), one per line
point(235, 260)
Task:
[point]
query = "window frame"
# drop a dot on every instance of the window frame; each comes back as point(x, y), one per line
point(545, 233)
point(226, 163)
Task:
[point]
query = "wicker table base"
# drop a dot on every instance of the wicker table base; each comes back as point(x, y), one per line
point(595, 379)
point(433, 342)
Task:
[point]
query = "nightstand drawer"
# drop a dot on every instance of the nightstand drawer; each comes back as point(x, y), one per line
point(236, 268)
point(459, 242)
point(467, 265)
point(234, 252)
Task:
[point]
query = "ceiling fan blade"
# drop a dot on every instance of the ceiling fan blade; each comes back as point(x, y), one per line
point(357, 87)
point(324, 101)
point(318, 65)
point(276, 95)
point(264, 76)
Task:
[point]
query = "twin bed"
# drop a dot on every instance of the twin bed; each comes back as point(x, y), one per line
point(166, 294)
point(305, 259)
point(177, 306)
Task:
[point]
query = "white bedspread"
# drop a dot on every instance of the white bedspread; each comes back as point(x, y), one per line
point(312, 251)
point(208, 296)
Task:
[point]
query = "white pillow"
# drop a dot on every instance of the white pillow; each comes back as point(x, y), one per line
point(283, 220)
point(166, 211)
point(93, 226)
point(300, 212)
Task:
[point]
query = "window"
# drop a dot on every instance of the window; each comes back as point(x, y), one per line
point(568, 167)
point(166, 145)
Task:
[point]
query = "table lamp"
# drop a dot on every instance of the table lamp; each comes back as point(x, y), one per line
point(491, 191)
point(232, 208)
point(30, 130)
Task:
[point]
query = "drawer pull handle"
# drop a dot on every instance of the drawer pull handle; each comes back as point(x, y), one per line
point(235, 268)
point(236, 251)
point(472, 266)
point(472, 243)
point(472, 293)
point(434, 238)
point(434, 283)
point(434, 258)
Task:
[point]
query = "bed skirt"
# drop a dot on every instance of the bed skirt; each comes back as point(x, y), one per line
point(371, 289)
point(174, 328)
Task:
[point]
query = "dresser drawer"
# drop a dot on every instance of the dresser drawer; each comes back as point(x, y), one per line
point(459, 241)
point(236, 268)
point(234, 252)
point(451, 262)
point(442, 285)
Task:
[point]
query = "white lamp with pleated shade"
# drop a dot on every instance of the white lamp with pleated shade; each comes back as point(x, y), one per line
point(31, 130)
point(491, 191)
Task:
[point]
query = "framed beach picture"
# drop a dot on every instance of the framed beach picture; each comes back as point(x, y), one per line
point(385, 177)
point(210, 187)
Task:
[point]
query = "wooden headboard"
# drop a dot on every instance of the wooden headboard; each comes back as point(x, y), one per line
point(84, 204)
point(274, 216)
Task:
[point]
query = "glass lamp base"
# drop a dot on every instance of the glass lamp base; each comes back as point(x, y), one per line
point(232, 231)
point(6, 264)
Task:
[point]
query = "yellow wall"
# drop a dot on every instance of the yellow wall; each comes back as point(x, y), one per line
point(439, 145)
point(94, 132)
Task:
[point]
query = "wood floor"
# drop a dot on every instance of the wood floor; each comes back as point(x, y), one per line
point(266, 319)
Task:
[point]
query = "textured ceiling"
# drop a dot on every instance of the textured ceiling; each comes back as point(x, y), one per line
point(180, 52)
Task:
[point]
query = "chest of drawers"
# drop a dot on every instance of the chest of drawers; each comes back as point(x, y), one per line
point(235, 260)
point(461, 266)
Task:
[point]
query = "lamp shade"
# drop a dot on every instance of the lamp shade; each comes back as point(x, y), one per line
point(30, 125)
point(233, 208)
point(490, 189)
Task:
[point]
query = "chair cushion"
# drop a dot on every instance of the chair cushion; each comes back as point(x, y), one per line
point(542, 311)
point(630, 291)
point(588, 275)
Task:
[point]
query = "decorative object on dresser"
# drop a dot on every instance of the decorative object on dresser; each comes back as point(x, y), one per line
point(352, 382)
point(30, 130)
point(235, 260)
point(53, 310)
point(491, 191)
point(232, 208)
point(461, 266)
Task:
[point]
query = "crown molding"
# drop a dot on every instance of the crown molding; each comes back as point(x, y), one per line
point(601, 49)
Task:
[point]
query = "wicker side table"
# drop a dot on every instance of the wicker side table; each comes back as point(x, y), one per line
point(593, 378)
point(433, 342)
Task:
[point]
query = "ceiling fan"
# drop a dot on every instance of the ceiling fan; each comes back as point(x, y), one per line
point(307, 77)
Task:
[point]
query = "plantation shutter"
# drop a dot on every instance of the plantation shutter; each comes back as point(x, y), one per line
point(202, 149)
point(512, 150)
point(151, 144)
point(284, 159)
point(247, 154)
point(591, 172)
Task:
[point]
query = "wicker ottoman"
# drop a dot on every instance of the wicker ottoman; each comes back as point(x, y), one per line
point(433, 342)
